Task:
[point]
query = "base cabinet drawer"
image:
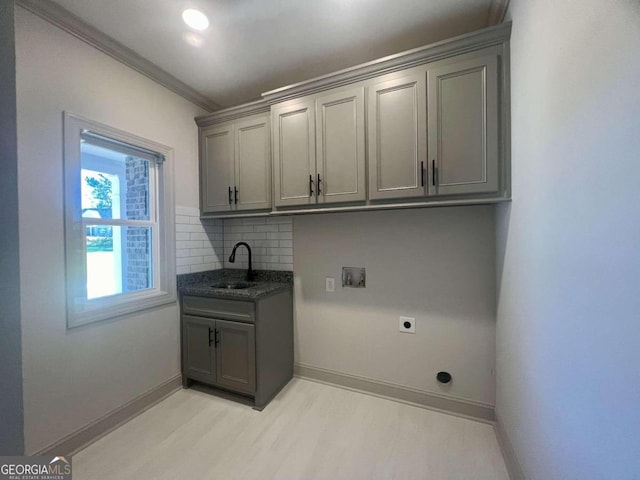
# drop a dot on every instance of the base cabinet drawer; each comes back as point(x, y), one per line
point(219, 308)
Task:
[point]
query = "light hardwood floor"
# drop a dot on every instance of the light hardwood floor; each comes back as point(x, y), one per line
point(310, 431)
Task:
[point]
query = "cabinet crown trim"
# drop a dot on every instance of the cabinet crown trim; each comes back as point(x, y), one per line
point(487, 37)
point(233, 113)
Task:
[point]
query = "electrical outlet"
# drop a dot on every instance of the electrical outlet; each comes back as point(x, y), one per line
point(407, 325)
point(330, 284)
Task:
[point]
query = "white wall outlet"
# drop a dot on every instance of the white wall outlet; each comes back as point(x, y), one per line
point(407, 324)
point(330, 284)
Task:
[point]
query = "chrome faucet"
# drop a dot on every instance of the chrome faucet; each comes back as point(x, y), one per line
point(232, 259)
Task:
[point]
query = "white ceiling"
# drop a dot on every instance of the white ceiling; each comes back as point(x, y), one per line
point(253, 46)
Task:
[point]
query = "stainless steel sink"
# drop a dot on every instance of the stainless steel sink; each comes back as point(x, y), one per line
point(232, 285)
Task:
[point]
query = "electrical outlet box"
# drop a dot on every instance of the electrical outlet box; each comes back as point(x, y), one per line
point(330, 284)
point(407, 325)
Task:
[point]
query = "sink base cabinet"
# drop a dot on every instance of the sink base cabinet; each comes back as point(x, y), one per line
point(252, 357)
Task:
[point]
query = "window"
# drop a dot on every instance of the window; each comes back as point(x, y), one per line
point(118, 222)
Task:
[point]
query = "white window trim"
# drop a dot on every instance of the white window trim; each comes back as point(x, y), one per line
point(81, 311)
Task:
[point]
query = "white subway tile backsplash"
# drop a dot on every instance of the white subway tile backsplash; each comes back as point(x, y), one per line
point(190, 228)
point(280, 220)
point(198, 243)
point(188, 211)
point(264, 235)
point(206, 244)
point(279, 235)
point(204, 267)
point(180, 262)
point(266, 228)
point(198, 236)
point(254, 236)
point(196, 252)
point(182, 270)
point(238, 228)
point(281, 251)
point(254, 221)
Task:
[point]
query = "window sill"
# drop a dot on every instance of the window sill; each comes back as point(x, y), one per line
point(117, 307)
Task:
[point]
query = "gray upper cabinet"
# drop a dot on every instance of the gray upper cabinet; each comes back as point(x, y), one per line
point(236, 165)
point(319, 149)
point(253, 164)
point(463, 125)
point(340, 160)
point(217, 149)
point(397, 136)
point(425, 127)
point(294, 167)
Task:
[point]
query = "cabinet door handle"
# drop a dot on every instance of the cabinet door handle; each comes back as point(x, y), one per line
point(311, 185)
point(433, 172)
point(217, 341)
point(210, 340)
point(230, 200)
point(235, 194)
point(319, 191)
point(422, 173)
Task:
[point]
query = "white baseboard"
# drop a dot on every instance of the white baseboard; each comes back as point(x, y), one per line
point(508, 453)
point(457, 406)
point(85, 436)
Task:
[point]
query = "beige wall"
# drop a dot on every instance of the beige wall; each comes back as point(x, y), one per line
point(72, 377)
point(568, 327)
point(437, 265)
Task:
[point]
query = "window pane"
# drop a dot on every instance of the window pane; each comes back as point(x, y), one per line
point(119, 260)
point(114, 185)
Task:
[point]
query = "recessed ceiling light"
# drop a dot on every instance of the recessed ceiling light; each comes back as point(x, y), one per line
point(195, 19)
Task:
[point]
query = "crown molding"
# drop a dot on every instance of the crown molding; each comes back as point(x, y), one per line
point(70, 23)
point(497, 12)
point(487, 37)
point(233, 113)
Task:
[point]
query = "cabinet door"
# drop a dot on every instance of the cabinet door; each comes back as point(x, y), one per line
point(340, 146)
point(216, 168)
point(294, 164)
point(397, 137)
point(463, 126)
point(253, 164)
point(198, 350)
point(236, 356)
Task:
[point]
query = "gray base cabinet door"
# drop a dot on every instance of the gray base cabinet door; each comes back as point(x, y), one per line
point(199, 353)
point(236, 356)
point(463, 126)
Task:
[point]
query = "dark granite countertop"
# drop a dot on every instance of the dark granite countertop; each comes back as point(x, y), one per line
point(265, 283)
